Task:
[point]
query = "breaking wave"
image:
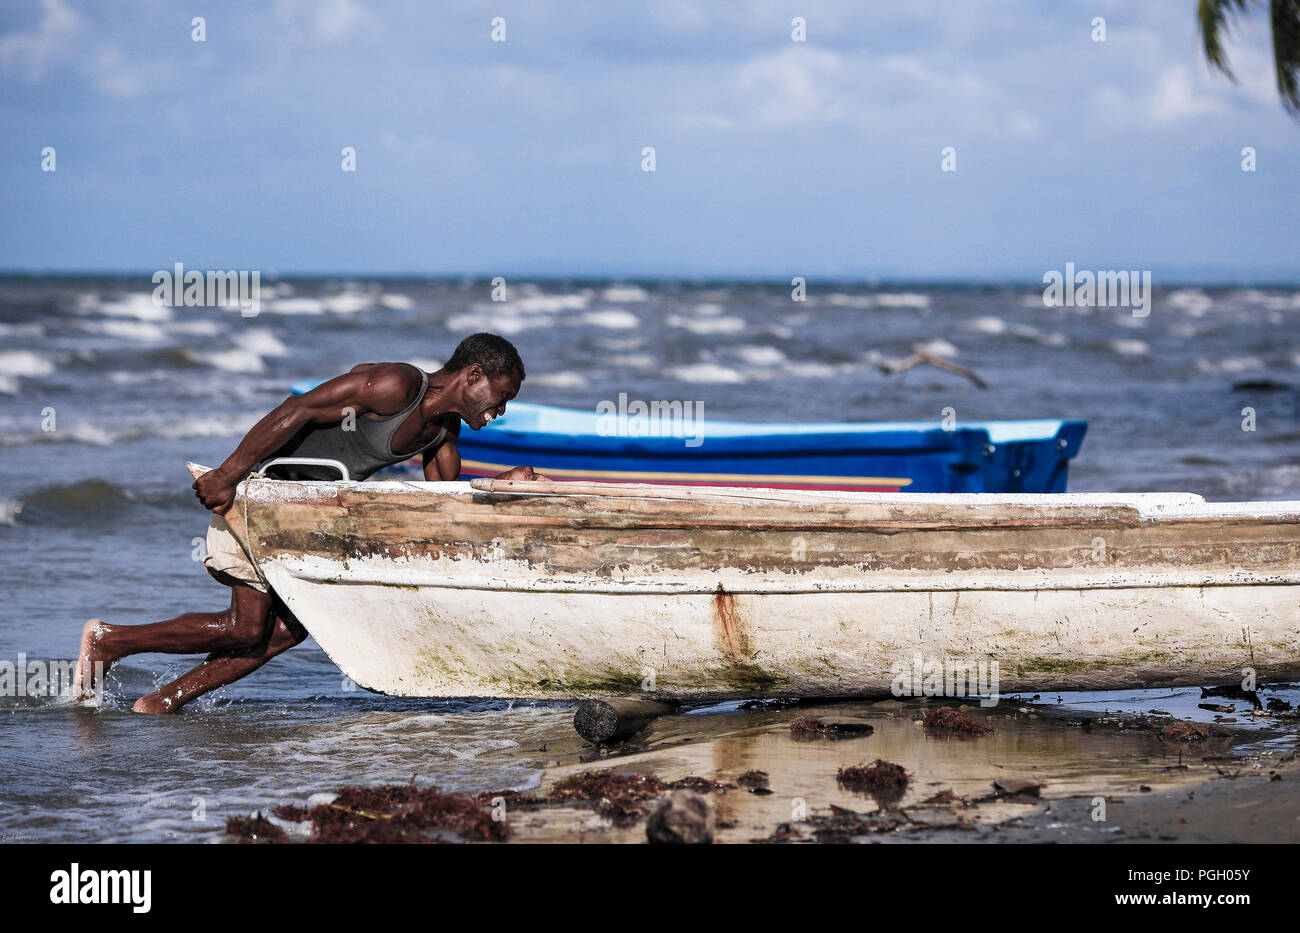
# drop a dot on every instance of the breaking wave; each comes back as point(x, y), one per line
point(81, 432)
point(233, 360)
point(615, 320)
point(760, 355)
point(87, 497)
point(498, 323)
point(706, 372)
point(1129, 347)
point(708, 324)
point(559, 380)
point(25, 363)
point(916, 301)
point(549, 304)
point(625, 294)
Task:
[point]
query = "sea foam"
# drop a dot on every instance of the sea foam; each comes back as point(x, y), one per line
point(25, 363)
point(625, 293)
point(706, 372)
point(615, 320)
point(233, 360)
point(708, 325)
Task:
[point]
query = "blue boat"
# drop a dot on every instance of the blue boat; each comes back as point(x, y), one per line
point(890, 456)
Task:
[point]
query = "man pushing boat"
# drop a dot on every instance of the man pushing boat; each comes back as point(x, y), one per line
point(361, 419)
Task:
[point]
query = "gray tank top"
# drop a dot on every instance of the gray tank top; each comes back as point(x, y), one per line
point(363, 450)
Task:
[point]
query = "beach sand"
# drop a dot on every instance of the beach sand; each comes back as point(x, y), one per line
point(1044, 773)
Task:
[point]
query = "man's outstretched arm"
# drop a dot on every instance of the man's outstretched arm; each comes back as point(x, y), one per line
point(442, 464)
point(384, 390)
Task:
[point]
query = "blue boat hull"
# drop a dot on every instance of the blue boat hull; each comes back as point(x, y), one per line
point(565, 444)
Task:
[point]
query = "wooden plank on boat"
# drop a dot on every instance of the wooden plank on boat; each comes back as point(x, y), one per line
point(636, 491)
point(780, 510)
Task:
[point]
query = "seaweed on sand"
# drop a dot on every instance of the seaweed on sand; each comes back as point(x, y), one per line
point(880, 776)
point(947, 719)
point(397, 813)
point(387, 814)
point(403, 813)
point(755, 781)
point(620, 798)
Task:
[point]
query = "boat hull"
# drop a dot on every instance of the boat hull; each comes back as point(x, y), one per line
point(438, 590)
point(1032, 456)
point(438, 642)
point(567, 444)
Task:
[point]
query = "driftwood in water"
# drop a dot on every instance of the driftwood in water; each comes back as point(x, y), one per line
point(615, 718)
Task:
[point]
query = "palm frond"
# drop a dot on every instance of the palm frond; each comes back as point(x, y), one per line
point(1285, 15)
point(1214, 16)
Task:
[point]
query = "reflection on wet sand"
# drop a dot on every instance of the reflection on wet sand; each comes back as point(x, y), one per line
point(1046, 747)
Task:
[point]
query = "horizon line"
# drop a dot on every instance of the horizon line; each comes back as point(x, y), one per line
point(870, 281)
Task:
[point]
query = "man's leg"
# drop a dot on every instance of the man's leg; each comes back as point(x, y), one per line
point(244, 625)
point(224, 667)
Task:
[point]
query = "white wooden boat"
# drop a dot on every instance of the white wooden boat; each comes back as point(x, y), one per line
point(561, 590)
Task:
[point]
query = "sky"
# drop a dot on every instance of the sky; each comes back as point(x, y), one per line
point(773, 158)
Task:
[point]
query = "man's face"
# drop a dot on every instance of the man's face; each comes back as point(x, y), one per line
point(485, 399)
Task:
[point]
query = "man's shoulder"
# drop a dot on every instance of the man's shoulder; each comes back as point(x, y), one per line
point(390, 369)
point(393, 383)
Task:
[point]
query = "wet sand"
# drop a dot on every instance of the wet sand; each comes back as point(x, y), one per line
point(1045, 773)
point(1261, 805)
point(1153, 789)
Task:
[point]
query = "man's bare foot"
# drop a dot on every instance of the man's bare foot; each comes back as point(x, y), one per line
point(152, 703)
point(92, 662)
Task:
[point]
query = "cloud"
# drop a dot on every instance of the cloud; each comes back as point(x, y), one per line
point(798, 85)
point(1026, 126)
point(804, 85)
point(115, 76)
point(533, 145)
point(1174, 98)
point(324, 22)
point(34, 53)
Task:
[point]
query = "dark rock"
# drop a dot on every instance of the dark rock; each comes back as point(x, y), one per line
point(684, 817)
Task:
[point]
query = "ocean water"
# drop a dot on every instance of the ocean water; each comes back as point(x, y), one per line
point(103, 396)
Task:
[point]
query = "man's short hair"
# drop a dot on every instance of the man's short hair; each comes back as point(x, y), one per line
point(496, 355)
